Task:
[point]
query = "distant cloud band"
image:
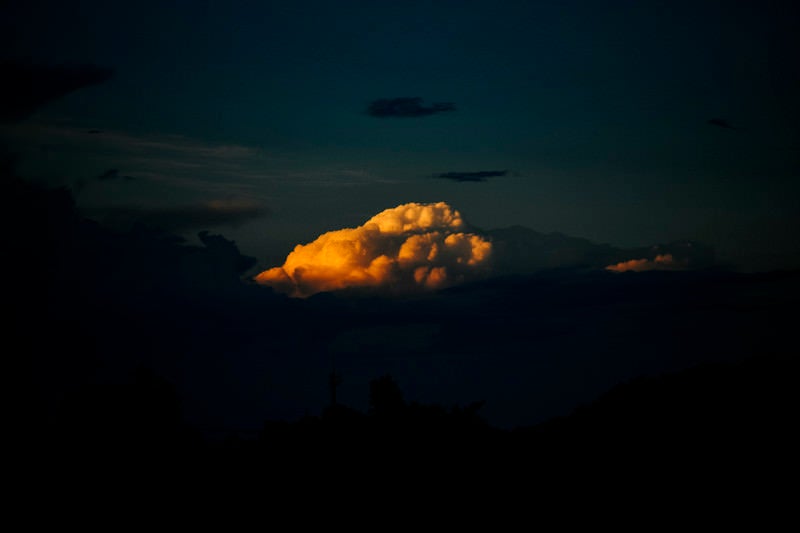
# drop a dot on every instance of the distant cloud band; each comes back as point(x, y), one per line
point(404, 107)
point(209, 215)
point(113, 174)
point(479, 176)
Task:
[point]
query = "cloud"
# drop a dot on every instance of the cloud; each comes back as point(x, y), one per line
point(27, 87)
point(721, 123)
point(109, 175)
point(225, 252)
point(411, 247)
point(158, 147)
point(521, 250)
point(660, 262)
point(678, 255)
point(212, 214)
point(479, 176)
point(406, 107)
point(113, 174)
point(171, 160)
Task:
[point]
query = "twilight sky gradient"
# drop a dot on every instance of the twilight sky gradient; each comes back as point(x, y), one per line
point(251, 118)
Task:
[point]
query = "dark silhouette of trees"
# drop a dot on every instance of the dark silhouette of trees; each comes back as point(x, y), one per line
point(385, 398)
point(141, 416)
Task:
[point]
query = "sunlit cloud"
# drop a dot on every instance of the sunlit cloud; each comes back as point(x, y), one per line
point(411, 247)
point(660, 262)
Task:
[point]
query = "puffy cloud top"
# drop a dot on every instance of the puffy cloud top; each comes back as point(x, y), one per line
point(414, 217)
point(410, 247)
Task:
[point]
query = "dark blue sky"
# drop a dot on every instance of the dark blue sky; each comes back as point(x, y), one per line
point(598, 111)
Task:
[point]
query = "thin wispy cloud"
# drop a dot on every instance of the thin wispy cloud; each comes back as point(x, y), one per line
point(129, 143)
point(213, 214)
point(721, 123)
point(182, 158)
point(167, 158)
point(335, 177)
point(113, 174)
point(478, 176)
point(405, 107)
point(207, 184)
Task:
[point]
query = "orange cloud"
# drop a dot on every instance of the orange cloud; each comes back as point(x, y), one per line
point(661, 262)
point(410, 247)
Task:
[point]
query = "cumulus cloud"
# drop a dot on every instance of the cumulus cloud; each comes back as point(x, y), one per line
point(411, 247)
point(660, 262)
point(479, 176)
point(406, 107)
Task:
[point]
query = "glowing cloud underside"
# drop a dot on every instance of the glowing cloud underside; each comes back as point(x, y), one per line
point(407, 248)
point(661, 262)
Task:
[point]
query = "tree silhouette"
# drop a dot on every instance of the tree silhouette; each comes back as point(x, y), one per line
point(385, 398)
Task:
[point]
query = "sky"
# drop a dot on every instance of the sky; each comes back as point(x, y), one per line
point(628, 123)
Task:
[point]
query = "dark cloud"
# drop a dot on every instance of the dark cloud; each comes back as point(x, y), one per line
point(27, 87)
point(208, 215)
point(222, 249)
point(521, 250)
point(721, 123)
point(479, 176)
point(113, 174)
point(406, 107)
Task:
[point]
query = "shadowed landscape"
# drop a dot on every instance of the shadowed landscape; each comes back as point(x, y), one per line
point(135, 357)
